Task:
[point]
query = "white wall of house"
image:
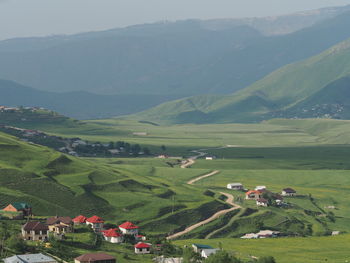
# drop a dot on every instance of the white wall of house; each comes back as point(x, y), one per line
point(129, 231)
point(142, 251)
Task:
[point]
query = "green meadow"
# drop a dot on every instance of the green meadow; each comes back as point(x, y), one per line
point(286, 250)
point(310, 156)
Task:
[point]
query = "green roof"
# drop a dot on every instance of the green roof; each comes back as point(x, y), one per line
point(20, 206)
point(200, 246)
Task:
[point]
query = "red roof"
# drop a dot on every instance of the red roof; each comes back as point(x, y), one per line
point(142, 245)
point(80, 219)
point(253, 192)
point(128, 225)
point(113, 232)
point(95, 220)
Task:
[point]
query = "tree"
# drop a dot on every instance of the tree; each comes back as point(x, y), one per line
point(189, 256)
point(222, 256)
point(146, 151)
point(111, 145)
point(163, 148)
point(16, 243)
point(268, 259)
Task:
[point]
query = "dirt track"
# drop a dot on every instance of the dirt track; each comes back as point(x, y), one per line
point(229, 201)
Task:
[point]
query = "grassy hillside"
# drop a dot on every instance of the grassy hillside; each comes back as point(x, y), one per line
point(57, 184)
point(319, 80)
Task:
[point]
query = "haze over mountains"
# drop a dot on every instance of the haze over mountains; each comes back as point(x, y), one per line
point(124, 71)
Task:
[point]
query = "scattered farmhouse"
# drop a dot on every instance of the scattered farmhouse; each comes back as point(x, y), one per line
point(210, 158)
point(35, 231)
point(250, 236)
point(96, 223)
point(129, 228)
point(30, 258)
point(268, 234)
point(142, 248)
point(95, 258)
point(60, 225)
point(260, 188)
point(79, 220)
point(289, 192)
point(23, 208)
point(262, 234)
point(262, 202)
point(198, 248)
point(112, 235)
point(235, 186)
point(207, 252)
point(253, 195)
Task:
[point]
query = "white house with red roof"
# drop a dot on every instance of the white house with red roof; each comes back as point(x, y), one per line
point(79, 220)
point(129, 228)
point(253, 195)
point(142, 248)
point(96, 223)
point(112, 235)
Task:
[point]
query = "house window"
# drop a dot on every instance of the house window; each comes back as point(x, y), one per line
point(40, 238)
point(28, 232)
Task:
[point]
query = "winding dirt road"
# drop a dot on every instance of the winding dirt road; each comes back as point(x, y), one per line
point(229, 201)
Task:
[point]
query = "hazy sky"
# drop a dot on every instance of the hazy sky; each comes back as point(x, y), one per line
point(20, 18)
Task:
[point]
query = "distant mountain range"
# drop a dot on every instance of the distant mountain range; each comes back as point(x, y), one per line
point(123, 71)
point(315, 87)
point(77, 104)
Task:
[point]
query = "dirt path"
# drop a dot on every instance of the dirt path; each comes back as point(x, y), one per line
point(190, 161)
point(229, 201)
point(203, 176)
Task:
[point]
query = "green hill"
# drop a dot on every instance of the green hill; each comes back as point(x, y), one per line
point(283, 93)
point(57, 184)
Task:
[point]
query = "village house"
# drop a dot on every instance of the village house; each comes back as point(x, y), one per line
point(79, 220)
point(129, 228)
point(142, 248)
point(96, 223)
point(60, 225)
point(198, 248)
point(210, 158)
point(260, 188)
point(289, 192)
point(235, 186)
point(268, 234)
point(262, 202)
point(207, 252)
point(95, 258)
point(30, 258)
point(262, 234)
point(35, 231)
point(112, 235)
point(253, 195)
point(250, 236)
point(23, 208)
